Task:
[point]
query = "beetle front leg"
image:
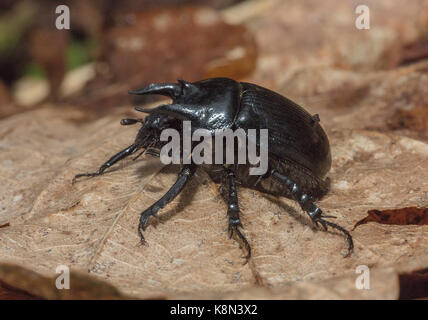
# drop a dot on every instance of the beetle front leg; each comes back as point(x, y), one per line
point(184, 176)
point(233, 213)
point(117, 157)
point(311, 208)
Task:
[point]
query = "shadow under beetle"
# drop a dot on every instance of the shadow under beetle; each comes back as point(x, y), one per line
point(299, 151)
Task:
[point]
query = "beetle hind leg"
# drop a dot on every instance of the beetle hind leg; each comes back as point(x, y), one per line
point(311, 208)
point(233, 213)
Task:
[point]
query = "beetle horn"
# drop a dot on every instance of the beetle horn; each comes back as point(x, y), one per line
point(171, 90)
point(176, 111)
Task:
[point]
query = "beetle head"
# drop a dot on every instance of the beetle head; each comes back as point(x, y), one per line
point(210, 104)
point(151, 129)
point(149, 134)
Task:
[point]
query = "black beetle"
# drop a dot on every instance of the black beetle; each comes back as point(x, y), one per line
point(299, 150)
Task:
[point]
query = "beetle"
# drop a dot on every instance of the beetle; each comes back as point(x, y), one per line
point(299, 152)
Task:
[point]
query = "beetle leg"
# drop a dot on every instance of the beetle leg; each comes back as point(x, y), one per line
point(233, 213)
point(311, 208)
point(183, 177)
point(117, 157)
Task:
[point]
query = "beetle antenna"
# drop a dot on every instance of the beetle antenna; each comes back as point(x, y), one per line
point(126, 122)
point(145, 110)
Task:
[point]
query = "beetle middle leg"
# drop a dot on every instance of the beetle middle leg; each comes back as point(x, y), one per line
point(311, 208)
point(117, 157)
point(184, 176)
point(233, 212)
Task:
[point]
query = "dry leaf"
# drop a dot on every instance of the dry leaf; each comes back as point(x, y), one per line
point(379, 100)
point(295, 34)
point(30, 284)
point(92, 226)
point(402, 216)
point(415, 119)
point(413, 285)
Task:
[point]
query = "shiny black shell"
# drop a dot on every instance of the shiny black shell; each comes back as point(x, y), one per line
point(298, 145)
point(294, 134)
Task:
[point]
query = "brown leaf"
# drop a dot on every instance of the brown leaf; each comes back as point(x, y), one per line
point(163, 44)
point(10, 293)
point(414, 119)
point(414, 285)
point(414, 52)
point(29, 284)
point(402, 216)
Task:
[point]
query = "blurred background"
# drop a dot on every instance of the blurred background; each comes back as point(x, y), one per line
point(114, 46)
point(309, 50)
